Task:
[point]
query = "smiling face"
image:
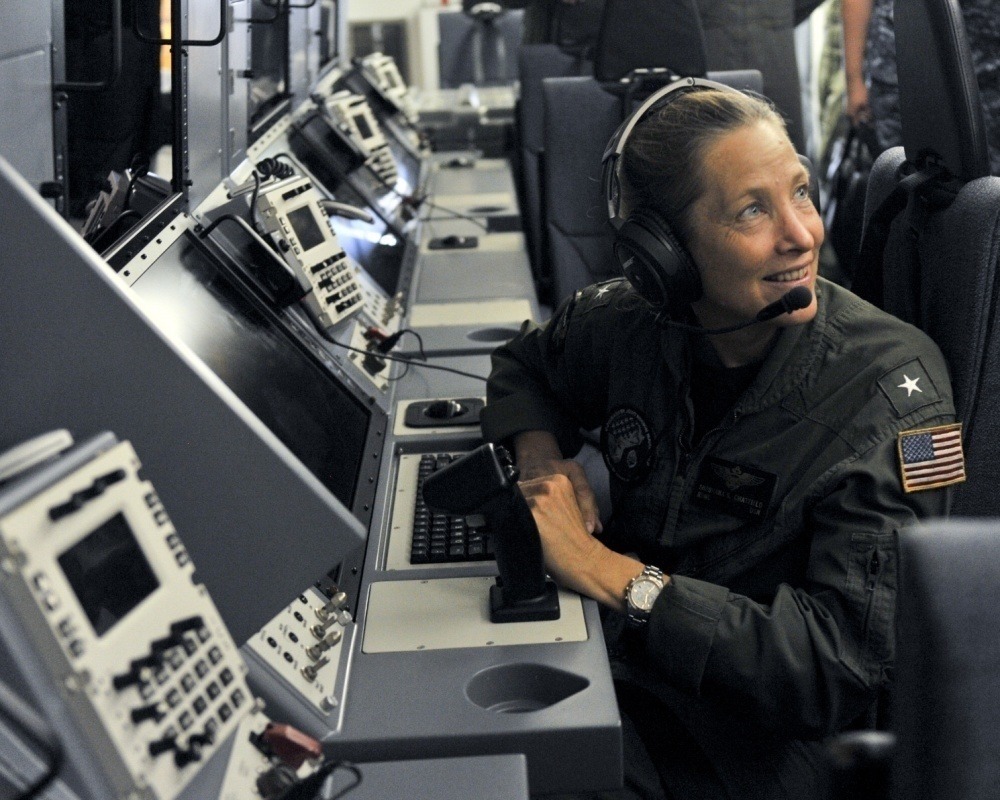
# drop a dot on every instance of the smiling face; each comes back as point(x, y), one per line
point(754, 232)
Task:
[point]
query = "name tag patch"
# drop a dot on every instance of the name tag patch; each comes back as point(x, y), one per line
point(734, 489)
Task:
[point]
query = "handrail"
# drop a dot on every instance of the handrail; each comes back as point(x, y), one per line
point(223, 20)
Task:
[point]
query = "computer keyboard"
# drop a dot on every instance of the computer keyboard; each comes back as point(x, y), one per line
point(443, 538)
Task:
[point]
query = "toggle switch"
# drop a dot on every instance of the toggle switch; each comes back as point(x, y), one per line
point(153, 711)
point(324, 644)
point(312, 670)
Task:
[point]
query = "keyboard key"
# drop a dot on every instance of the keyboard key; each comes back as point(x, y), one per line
point(442, 538)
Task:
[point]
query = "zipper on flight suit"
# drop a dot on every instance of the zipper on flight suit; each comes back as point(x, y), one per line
point(679, 481)
point(676, 494)
point(874, 565)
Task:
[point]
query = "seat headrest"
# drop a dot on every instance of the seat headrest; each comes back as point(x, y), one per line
point(940, 109)
point(654, 33)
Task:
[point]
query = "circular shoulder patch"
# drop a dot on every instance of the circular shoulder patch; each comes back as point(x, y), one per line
point(627, 445)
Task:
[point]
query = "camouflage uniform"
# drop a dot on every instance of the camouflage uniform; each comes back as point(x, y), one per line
point(778, 528)
point(982, 29)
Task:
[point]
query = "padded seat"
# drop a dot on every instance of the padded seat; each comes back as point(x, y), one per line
point(935, 262)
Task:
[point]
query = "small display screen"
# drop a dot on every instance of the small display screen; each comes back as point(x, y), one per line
point(304, 224)
point(109, 573)
point(363, 126)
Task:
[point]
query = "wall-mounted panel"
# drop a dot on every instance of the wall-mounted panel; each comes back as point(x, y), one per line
point(25, 27)
point(26, 114)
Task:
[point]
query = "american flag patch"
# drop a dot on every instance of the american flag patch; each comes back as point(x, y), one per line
point(931, 457)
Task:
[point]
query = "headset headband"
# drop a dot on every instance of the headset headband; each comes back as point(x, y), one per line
point(611, 160)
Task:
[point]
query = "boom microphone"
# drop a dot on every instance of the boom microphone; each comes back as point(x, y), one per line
point(799, 297)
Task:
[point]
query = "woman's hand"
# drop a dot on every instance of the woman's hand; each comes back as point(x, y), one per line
point(538, 456)
point(573, 557)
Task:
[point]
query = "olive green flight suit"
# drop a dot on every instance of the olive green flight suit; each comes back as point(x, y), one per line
point(778, 528)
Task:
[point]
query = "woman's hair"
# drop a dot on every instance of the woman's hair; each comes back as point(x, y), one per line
point(663, 158)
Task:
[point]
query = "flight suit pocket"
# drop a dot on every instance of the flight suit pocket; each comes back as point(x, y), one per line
point(871, 592)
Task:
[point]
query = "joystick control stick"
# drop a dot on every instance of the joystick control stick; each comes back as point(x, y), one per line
point(484, 481)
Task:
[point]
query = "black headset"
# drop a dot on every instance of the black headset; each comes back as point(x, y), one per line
point(653, 259)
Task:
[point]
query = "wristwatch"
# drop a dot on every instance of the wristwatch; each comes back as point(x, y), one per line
point(641, 593)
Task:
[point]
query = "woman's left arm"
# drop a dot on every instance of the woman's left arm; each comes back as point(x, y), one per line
point(814, 658)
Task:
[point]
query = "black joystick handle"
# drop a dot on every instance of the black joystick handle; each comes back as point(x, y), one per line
point(484, 481)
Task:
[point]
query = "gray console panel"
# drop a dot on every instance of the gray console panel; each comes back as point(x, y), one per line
point(476, 179)
point(484, 273)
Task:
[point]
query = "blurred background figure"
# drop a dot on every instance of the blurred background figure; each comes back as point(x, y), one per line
point(870, 66)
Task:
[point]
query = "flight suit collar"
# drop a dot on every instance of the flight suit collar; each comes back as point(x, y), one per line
point(790, 361)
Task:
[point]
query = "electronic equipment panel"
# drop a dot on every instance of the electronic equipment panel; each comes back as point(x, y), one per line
point(290, 213)
point(337, 164)
point(352, 114)
point(377, 78)
point(100, 611)
point(389, 80)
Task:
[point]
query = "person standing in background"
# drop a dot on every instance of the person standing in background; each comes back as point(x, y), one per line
point(870, 67)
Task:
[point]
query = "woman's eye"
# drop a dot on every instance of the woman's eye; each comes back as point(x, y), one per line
point(751, 211)
point(802, 192)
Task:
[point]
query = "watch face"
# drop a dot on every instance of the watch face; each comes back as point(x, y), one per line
point(643, 593)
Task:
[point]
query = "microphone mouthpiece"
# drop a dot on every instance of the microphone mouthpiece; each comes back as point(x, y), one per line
point(799, 297)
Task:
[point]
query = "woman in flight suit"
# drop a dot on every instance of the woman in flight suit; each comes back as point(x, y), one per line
point(759, 477)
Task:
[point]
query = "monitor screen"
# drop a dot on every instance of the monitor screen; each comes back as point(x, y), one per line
point(109, 573)
point(311, 412)
point(376, 246)
point(306, 229)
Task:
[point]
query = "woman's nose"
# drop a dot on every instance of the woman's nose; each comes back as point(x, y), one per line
point(796, 232)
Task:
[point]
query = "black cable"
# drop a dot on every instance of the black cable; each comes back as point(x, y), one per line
point(315, 786)
point(403, 360)
point(454, 215)
point(323, 332)
point(415, 201)
point(272, 168)
point(403, 374)
point(253, 198)
point(420, 341)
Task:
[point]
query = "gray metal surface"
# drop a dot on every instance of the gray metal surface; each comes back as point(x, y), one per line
point(208, 98)
point(26, 112)
point(453, 276)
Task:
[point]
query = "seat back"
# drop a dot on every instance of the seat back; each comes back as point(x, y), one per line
point(938, 268)
point(579, 120)
point(947, 694)
point(666, 33)
point(535, 63)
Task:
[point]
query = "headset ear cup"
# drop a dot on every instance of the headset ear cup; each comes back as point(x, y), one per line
point(655, 262)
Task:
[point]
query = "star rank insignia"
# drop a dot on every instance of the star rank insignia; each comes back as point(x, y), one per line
point(908, 387)
point(930, 458)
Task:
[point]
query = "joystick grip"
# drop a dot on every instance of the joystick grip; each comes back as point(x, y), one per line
point(484, 481)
